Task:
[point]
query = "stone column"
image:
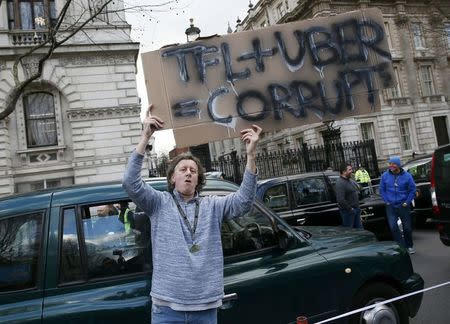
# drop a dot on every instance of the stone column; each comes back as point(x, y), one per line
point(407, 52)
point(6, 179)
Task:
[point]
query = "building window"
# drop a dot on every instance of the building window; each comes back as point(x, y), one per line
point(388, 34)
point(396, 91)
point(447, 34)
point(280, 147)
point(212, 149)
point(405, 133)
point(281, 10)
point(44, 184)
point(31, 14)
point(419, 41)
point(299, 141)
point(441, 130)
point(367, 131)
point(40, 119)
point(426, 78)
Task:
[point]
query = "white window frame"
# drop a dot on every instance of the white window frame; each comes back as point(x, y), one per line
point(281, 11)
point(371, 129)
point(21, 122)
point(447, 34)
point(280, 146)
point(397, 90)
point(406, 134)
point(417, 34)
point(388, 34)
point(299, 141)
point(374, 134)
point(427, 83)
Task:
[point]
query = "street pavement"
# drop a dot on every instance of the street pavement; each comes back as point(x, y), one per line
point(432, 262)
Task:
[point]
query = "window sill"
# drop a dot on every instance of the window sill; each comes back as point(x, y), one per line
point(42, 149)
point(437, 98)
point(27, 37)
point(400, 101)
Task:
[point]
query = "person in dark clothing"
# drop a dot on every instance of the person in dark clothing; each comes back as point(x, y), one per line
point(347, 196)
point(398, 189)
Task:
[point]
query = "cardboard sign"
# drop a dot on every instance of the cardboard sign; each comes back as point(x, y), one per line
point(277, 77)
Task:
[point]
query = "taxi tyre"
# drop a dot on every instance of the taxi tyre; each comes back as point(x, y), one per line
point(443, 236)
point(374, 293)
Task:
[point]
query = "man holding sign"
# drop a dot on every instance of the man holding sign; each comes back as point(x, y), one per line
point(187, 280)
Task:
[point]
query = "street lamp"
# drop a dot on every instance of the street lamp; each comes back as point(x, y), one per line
point(192, 33)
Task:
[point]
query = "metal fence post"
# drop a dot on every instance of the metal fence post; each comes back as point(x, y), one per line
point(306, 157)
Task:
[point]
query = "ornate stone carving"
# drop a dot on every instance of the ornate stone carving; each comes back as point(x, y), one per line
point(30, 65)
point(401, 19)
point(103, 113)
point(97, 59)
point(435, 19)
point(2, 65)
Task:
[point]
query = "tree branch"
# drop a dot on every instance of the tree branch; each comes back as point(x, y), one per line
point(59, 30)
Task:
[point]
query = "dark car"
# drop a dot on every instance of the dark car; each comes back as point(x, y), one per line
point(440, 192)
point(420, 169)
point(63, 259)
point(310, 199)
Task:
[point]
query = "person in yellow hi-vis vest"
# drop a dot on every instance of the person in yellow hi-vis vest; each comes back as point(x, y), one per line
point(362, 177)
point(126, 216)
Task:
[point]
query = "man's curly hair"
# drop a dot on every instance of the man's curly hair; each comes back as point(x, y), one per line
point(181, 157)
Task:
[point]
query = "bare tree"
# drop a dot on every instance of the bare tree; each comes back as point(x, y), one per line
point(62, 29)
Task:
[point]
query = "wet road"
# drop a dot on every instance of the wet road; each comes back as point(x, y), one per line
point(432, 262)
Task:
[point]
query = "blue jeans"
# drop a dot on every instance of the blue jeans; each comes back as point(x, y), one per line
point(351, 218)
point(166, 315)
point(404, 213)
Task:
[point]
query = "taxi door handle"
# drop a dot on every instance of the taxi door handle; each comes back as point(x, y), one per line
point(227, 300)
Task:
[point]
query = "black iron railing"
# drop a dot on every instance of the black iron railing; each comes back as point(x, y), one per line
point(305, 159)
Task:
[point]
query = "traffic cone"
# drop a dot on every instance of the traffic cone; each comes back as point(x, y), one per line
point(302, 320)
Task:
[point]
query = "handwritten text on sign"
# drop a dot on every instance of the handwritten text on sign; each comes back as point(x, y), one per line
point(279, 77)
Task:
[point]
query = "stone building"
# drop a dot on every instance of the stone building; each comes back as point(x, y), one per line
point(80, 120)
point(414, 115)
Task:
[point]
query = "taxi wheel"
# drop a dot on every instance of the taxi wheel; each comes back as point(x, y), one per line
point(395, 312)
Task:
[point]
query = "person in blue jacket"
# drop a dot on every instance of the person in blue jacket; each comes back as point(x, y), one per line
point(398, 189)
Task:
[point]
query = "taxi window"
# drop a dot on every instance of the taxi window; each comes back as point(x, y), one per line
point(115, 237)
point(276, 198)
point(310, 191)
point(420, 170)
point(251, 232)
point(20, 248)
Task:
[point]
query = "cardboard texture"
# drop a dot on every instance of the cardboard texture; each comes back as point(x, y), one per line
point(277, 77)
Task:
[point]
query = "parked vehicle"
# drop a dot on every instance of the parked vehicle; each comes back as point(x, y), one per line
point(420, 169)
point(66, 257)
point(440, 192)
point(309, 199)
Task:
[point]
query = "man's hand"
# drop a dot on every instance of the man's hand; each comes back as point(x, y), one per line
point(151, 123)
point(250, 137)
point(149, 126)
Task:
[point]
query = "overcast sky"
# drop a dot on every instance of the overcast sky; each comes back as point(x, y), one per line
point(155, 29)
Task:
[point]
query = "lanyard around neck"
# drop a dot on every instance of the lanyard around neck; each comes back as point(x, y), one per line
point(183, 215)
